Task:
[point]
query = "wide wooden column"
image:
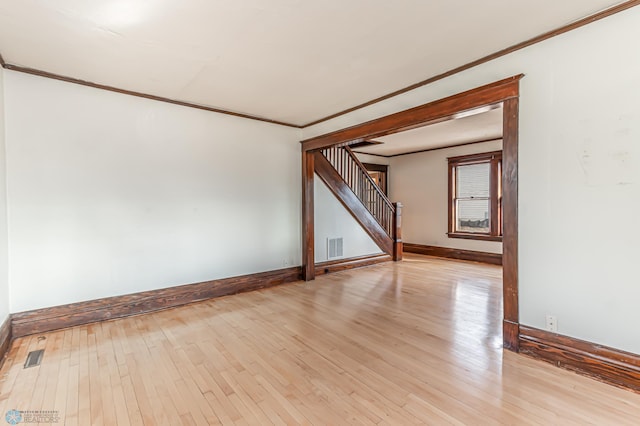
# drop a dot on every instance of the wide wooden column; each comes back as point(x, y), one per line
point(308, 241)
point(510, 325)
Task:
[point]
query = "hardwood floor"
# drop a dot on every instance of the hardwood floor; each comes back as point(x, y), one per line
point(411, 342)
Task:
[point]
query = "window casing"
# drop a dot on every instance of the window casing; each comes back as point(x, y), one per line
point(475, 196)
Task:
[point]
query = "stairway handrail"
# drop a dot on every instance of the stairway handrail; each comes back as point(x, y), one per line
point(371, 181)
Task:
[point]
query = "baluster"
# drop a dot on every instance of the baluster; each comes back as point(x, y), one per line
point(346, 163)
point(375, 203)
point(352, 177)
point(372, 198)
point(336, 162)
point(349, 172)
point(356, 184)
point(365, 188)
point(355, 177)
point(384, 216)
point(384, 211)
point(354, 171)
point(372, 195)
point(346, 170)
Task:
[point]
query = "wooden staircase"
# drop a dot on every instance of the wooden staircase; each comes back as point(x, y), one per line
point(350, 182)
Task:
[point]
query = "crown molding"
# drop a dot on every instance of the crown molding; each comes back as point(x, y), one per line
point(542, 37)
point(46, 74)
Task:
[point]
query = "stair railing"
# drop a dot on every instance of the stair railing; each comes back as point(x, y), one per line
point(357, 178)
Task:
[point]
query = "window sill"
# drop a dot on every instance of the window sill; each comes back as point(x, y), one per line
point(470, 236)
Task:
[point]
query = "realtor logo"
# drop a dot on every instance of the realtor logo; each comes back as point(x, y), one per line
point(13, 417)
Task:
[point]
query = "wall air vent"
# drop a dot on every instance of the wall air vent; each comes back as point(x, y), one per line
point(34, 358)
point(334, 248)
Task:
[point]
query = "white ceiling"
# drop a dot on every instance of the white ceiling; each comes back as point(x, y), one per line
point(289, 60)
point(480, 127)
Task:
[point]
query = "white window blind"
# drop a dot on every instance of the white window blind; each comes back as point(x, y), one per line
point(473, 180)
point(472, 197)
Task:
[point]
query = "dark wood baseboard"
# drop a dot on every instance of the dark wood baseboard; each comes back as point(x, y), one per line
point(5, 339)
point(350, 263)
point(58, 317)
point(603, 363)
point(450, 253)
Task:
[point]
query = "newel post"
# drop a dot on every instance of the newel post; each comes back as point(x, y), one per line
point(397, 232)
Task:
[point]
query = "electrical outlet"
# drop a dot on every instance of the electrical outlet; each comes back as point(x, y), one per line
point(552, 323)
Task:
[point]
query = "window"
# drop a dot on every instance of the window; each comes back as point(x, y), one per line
point(475, 196)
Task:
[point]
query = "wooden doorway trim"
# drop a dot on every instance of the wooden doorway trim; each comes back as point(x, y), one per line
point(504, 91)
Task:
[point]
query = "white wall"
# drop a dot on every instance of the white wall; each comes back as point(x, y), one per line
point(4, 282)
point(333, 220)
point(111, 194)
point(420, 184)
point(579, 193)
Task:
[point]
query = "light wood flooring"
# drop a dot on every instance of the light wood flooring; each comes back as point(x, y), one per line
point(416, 342)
